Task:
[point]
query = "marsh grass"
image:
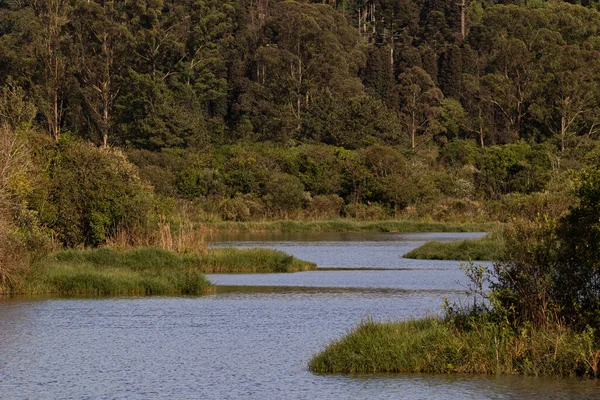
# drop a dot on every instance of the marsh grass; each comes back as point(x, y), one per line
point(349, 225)
point(432, 345)
point(489, 248)
point(251, 261)
point(148, 271)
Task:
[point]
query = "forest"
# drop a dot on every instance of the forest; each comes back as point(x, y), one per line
point(117, 113)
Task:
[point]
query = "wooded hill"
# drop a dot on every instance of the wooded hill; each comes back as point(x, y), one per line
point(257, 108)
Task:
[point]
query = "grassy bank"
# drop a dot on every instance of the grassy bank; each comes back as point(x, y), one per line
point(349, 225)
point(433, 346)
point(489, 248)
point(147, 271)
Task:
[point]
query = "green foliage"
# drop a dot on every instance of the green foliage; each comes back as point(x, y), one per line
point(488, 249)
point(284, 193)
point(512, 168)
point(199, 182)
point(326, 206)
point(460, 152)
point(577, 284)
point(92, 193)
point(431, 345)
point(242, 207)
point(148, 271)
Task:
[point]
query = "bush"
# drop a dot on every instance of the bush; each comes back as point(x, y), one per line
point(326, 206)
point(283, 193)
point(577, 283)
point(512, 168)
point(199, 182)
point(242, 207)
point(458, 153)
point(94, 192)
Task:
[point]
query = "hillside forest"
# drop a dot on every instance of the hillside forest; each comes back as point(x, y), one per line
point(116, 113)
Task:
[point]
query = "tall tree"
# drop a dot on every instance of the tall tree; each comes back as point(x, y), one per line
point(420, 102)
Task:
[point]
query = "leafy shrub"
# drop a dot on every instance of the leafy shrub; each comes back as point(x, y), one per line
point(577, 284)
point(512, 168)
point(283, 193)
point(242, 207)
point(93, 192)
point(457, 153)
point(199, 182)
point(326, 206)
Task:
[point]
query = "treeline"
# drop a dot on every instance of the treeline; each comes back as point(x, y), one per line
point(188, 74)
point(254, 109)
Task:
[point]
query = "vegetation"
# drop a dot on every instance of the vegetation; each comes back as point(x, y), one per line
point(350, 225)
point(147, 271)
point(540, 317)
point(123, 122)
point(425, 110)
point(433, 345)
point(488, 248)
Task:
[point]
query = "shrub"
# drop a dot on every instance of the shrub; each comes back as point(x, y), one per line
point(199, 182)
point(577, 283)
point(326, 206)
point(283, 193)
point(242, 207)
point(94, 191)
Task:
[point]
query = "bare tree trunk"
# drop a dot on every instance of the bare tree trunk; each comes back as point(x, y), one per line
point(481, 136)
point(413, 130)
point(463, 19)
point(563, 132)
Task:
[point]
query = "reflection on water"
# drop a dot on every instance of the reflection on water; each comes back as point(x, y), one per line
point(246, 341)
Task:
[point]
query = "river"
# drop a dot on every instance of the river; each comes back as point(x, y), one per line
point(252, 338)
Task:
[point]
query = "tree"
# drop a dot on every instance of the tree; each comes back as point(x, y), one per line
point(98, 57)
point(577, 281)
point(570, 104)
point(309, 48)
point(420, 102)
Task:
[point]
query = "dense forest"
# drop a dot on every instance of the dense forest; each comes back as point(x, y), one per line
point(252, 109)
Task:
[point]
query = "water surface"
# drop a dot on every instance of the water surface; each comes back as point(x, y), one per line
point(250, 340)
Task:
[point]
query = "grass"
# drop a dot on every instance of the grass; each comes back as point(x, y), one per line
point(489, 248)
point(431, 345)
point(147, 271)
point(350, 225)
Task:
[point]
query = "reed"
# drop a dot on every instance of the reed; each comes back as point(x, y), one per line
point(181, 236)
point(432, 345)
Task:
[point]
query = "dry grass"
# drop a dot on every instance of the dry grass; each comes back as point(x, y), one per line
point(186, 237)
point(14, 163)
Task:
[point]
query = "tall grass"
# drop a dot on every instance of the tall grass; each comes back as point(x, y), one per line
point(350, 225)
point(488, 248)
point(147, 271)
point(483, 249)
point(435, 346)
point(182, 236)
